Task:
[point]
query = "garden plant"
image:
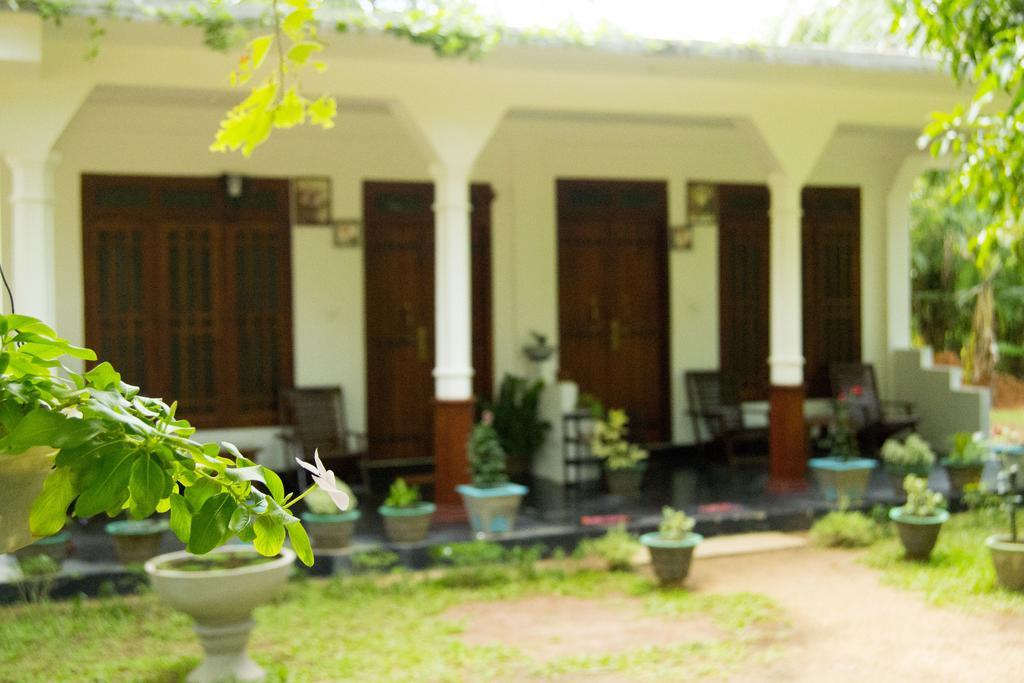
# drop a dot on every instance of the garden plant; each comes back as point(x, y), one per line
point(671, 546)
point(406, 515)
point(624, 462)
point(920, 519)
point(912, 455)
point(843, 475)
point(491, 501)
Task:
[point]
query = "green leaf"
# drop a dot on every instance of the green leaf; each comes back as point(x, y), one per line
point(149, 484)
point(181, 517)
point(259, 47)
point(210, 524)
point(50, 508)
point(269, 535)
point(322, 111)
point(104, 377)
point(274, 484)
point(37, 428)
point(300, 53)
point(197, 493)
point(300, 543)
point(104, 484)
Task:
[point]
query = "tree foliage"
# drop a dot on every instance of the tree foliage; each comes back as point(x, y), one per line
point(981, 43)
point(280, 44)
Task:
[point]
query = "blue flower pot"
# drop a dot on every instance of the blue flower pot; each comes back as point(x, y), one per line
point(842, 479)
point(493, 509)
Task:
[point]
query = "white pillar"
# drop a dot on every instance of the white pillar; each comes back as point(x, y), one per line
point(33, 276)
point(897, 251)
point(453, 372)
point(786, 285)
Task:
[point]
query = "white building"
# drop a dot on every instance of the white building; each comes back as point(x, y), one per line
point(116, 228)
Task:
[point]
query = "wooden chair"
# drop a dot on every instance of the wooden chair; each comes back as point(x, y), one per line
point(313, 418)
point(716, 411)
point(874, 419)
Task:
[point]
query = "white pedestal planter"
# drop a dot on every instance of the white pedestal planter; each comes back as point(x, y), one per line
point(221, 601)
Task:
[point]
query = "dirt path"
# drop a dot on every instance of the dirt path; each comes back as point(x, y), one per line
point(845, 625)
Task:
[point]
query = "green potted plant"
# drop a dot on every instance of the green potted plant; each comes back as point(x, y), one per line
point(842, 476)
point(219, 591)
point(671, 546)
point(57, 548)
point(517, 422)
point(624, 462)
point(406, 515)
point(920, 519)
point(965, 462)
point(1008, 549)
point(137, 540)
point(91, 443)
point(491, 501)
point(330, 527)
point(912, 456)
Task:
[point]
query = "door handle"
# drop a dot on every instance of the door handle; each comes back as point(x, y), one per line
point(615, 330)
point(421, 342)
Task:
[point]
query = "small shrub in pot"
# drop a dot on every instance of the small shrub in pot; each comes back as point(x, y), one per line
point(406, 515)
point(920, 519)
point(671, 546)
point(965, 462)
point(1008, 550)
point(624, 462)
point(843, 476)
point(911, 456)
point(492, 502)
point(330, 527)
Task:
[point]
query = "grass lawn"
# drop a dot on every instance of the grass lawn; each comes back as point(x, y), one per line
point(960, 572)
point(375, 628)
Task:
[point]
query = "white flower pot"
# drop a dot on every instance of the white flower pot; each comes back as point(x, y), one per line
point(221, 601)
point(21, 480)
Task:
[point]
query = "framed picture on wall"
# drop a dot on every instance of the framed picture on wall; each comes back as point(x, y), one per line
point(311, 197)
point(347, 232)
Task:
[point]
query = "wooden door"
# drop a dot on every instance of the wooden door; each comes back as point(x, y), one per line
point(399, 284)
point(743, 304)
point(831, 282)
point(613, 297)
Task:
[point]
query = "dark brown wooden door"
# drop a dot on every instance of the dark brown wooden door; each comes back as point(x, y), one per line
point(188, 292)
point(831, 282)
point(613, 297)
point(743, 269)
point(399, 283)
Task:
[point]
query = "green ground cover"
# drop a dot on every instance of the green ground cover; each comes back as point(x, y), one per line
point(376, 628)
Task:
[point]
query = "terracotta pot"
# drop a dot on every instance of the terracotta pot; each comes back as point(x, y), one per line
point(918, 534)
point(331, 532)
point(21, 480)
point(221, 601)
point(625, 481)
point(407, 525)
point(671, 558)
point(492, 510)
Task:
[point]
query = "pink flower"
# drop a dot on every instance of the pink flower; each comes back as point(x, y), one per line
point(487, 418)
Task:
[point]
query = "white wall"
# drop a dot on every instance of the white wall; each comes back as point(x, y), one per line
point(522, 161)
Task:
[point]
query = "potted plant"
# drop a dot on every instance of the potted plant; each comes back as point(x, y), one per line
point(137, 540)
point(91, 444)
point(56, 547)
point(842, 476)
point(965, 462)
point(671, 546)
point(1008, 550)
point(1008, 444)
point(920, 519)
point(516, 411)
point(406, 516)
point(624, 462)
point(220, 590)
point(538, 350)
point(912, 456)
point(491, 501)
point(330, 527)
